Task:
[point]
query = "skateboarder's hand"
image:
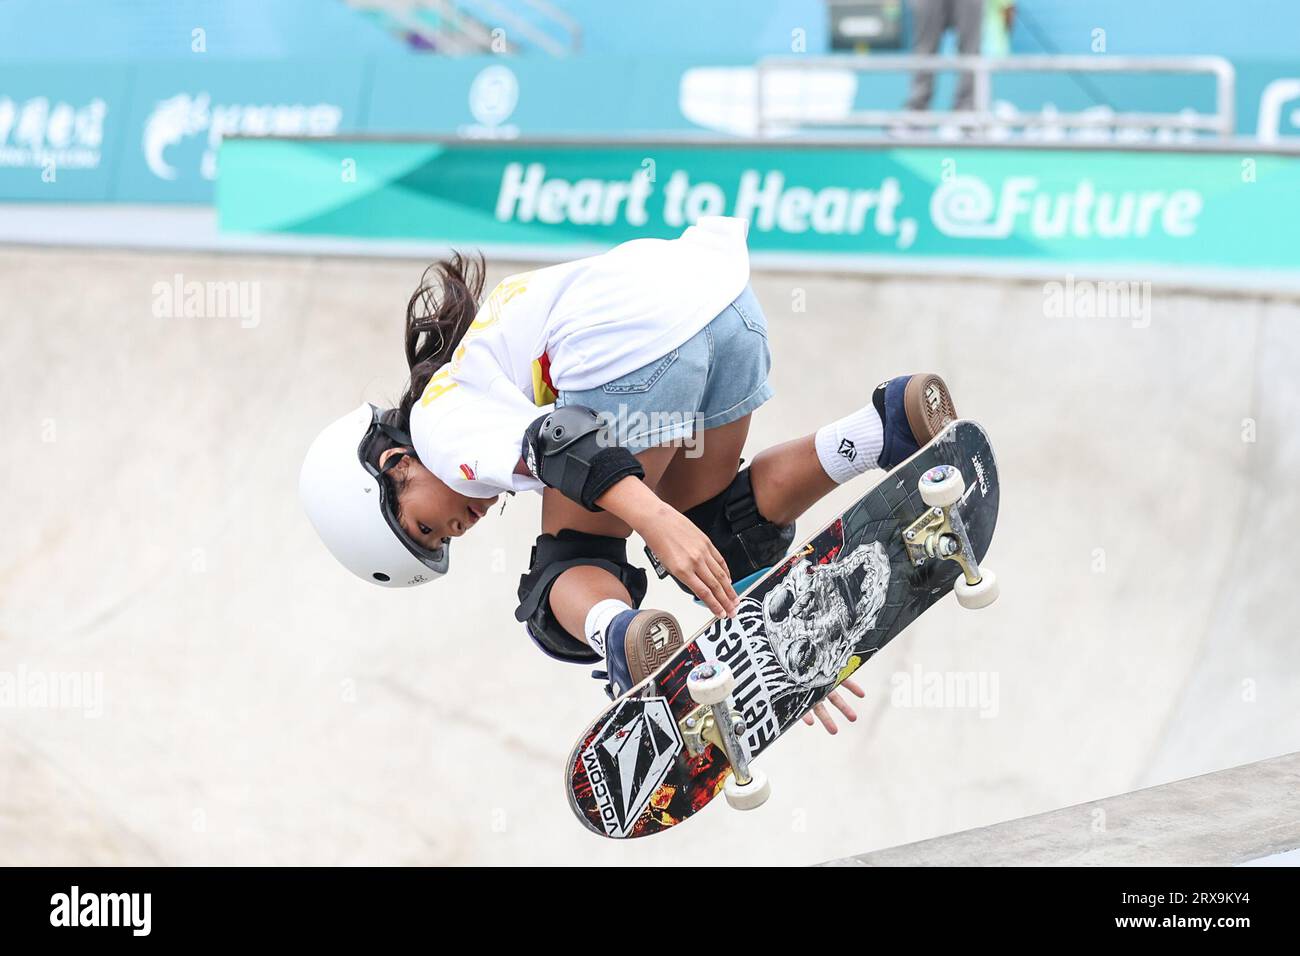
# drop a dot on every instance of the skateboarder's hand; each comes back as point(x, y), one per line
point(841, 703)
point(688, 553)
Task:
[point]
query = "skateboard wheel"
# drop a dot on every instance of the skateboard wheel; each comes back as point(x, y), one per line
point(981, 594)
point(941, 486)
point(710, 682)
point(748, 796)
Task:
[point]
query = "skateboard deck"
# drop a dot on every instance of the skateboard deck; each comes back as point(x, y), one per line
point(800, 630)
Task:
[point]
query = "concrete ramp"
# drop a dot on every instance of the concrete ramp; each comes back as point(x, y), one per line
point(240, 699)
point(1246, 815)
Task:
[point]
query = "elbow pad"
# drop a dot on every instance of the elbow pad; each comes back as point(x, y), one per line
point(571, 450)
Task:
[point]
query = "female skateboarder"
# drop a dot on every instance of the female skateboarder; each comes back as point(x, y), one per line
point(621, 387)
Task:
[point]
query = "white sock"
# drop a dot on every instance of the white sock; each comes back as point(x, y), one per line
point(598, 618)
point(850, 446)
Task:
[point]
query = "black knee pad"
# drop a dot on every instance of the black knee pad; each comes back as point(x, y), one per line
point(552, 556)
point(746, 540)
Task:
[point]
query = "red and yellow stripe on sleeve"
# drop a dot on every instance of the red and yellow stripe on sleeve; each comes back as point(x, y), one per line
point(543, 390)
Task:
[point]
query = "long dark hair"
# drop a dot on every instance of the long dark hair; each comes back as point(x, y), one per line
point(437, 316)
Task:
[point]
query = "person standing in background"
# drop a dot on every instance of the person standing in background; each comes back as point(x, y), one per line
point(930, 20)
point(999, 19)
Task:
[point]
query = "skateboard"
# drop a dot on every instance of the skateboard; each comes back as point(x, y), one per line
point(660, 753)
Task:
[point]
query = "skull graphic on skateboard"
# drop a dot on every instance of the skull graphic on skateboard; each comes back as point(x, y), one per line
point(694, 729)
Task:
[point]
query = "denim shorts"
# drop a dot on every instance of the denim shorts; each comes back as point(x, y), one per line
point(717, 376)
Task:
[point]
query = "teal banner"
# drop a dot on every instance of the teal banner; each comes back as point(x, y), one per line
point(1169, 209)
point(150, 131)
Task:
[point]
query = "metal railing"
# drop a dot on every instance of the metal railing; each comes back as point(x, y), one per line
point(983, 119)
point(568, 26)
point(571, 32)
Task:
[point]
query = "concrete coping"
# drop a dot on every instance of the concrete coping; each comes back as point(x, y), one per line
point(1226, 818)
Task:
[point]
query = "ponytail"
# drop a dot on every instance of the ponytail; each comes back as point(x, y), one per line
point(437, 316)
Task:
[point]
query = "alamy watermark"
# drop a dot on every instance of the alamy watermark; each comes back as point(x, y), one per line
point(179, 299)
point(76, 908)
point(1089, 299)
point(681, 429)
point(946, 690)
point(26, 689)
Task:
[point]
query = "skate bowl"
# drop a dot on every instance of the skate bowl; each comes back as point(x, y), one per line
point(187, 678)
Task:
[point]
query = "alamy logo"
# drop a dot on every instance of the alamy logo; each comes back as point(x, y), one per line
point(191, 299)
point(933, 396)
point(628, 760)
point(847, 449)
point(962, 690)
point(102, 909)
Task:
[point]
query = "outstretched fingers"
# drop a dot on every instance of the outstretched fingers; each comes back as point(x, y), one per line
point(822, 714)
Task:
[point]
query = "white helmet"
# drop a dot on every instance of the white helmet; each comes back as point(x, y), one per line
point(351, 507)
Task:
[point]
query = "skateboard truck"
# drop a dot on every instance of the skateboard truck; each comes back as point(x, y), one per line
point(714, 722)
point(941, 533)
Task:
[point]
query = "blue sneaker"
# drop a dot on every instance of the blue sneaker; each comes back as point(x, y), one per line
point(637, 643)
point(913, 409)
